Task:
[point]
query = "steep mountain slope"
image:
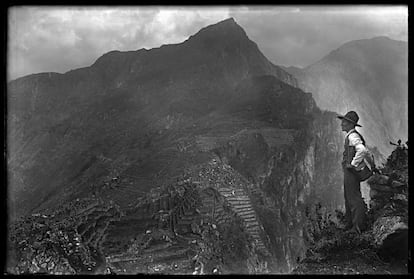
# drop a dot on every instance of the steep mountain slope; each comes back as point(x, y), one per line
point(195, 142)
point(121, 100)
point(369, 76)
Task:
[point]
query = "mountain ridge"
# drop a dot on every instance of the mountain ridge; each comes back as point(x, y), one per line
point(369, 76)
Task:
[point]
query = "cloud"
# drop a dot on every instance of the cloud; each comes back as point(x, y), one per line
point(58, 39)
point(302, 35)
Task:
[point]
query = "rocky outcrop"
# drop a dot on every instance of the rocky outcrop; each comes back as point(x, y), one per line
point(389, 206)
point(382, 248)
point(327, 186)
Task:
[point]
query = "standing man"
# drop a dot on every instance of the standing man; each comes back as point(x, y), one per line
point(354, 152)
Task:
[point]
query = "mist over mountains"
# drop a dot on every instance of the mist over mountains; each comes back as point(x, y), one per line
point(369, 76)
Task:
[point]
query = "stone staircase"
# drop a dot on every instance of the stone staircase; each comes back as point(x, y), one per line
point(256, 194)
point(240, 203)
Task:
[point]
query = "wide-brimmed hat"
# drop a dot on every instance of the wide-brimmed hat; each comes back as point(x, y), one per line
point(351, 116)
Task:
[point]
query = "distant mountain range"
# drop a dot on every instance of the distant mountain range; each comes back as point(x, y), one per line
point(369, 76)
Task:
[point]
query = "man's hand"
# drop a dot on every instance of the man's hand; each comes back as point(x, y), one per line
point(349, 166)
point(375, 170)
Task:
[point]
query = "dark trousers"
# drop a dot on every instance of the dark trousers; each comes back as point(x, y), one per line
point(355, 207)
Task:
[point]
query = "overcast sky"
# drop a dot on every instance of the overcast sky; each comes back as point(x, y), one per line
point(58, 39)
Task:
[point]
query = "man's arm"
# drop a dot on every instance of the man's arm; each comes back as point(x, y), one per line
point(355, 140)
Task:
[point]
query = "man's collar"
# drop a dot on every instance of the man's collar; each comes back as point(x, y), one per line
point(349, 132)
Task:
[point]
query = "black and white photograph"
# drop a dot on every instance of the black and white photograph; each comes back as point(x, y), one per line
point(206, 140)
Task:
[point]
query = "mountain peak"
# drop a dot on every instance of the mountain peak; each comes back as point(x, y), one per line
point(226, 23)
point(371, 42)
point(227, 29)
point(229, 20)
point(381, 38)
